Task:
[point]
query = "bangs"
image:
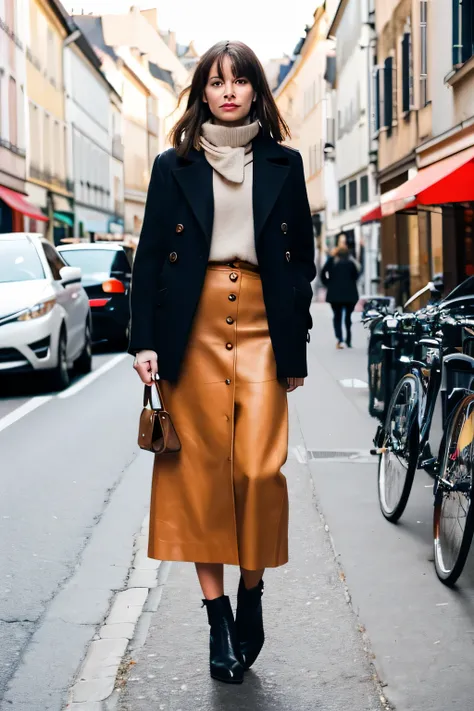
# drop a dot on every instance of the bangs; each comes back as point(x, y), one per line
point(241, 63)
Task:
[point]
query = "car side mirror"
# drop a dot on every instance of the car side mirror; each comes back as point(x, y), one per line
point(69, 275)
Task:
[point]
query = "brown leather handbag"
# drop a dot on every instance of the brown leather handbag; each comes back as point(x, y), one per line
point(156, 432)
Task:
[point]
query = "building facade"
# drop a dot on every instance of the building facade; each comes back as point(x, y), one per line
point(350, 104)
point(450, 78)
point(14, 207)
point(147, 75)
point(90, 117)
point(402, 121)
point(49, 178)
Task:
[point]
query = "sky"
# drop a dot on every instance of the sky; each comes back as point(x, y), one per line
point(271, 28)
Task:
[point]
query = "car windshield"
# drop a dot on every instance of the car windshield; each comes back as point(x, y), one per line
point(96, 261)
point(19, 261)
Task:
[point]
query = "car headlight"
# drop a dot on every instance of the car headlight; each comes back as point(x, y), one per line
point(41, 309)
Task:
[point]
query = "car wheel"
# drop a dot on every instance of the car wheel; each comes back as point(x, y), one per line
point(83, 364)
point(59, 376)
point(121, 343)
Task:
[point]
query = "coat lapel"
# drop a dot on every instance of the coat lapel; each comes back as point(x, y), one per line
point(195, 180)
point(270, 170)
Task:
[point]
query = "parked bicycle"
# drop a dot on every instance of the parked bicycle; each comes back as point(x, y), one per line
point(430, 425)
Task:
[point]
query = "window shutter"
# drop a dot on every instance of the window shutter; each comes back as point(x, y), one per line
point(406, 72)
point(467, 17)
point(457, 24)
point(388, 90)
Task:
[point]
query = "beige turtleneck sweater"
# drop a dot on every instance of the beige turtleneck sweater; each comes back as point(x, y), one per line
point(229, 152)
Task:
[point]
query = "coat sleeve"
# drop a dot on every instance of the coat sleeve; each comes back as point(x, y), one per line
point(148, 263)
point(303, 250)
point(326, 271)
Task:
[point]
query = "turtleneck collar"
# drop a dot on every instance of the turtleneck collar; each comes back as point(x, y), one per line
point(228, 148)
point(230, 136)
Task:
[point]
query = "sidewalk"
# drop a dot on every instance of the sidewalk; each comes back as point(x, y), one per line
point(316, 655)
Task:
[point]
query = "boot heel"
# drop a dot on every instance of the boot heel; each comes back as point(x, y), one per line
point(224, 656)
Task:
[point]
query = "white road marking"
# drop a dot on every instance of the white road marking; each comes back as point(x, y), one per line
point(88, 379)
point(36, 402)
point(353, 383)
point(23, 410)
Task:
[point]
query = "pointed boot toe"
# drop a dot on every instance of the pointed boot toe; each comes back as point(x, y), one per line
point(224, 655)
point(249, 623)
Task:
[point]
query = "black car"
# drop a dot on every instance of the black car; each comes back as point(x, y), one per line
point(106, 274)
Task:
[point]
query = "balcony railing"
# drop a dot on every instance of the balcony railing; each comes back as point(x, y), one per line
point(51, 178)
point(117, 147)
point(153, 124)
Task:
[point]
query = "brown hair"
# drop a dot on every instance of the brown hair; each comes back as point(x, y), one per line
point(245, 63)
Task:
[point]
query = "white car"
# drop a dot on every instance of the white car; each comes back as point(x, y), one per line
point(45, 319)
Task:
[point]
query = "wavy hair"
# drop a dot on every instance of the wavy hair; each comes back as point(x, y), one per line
point(186, 132)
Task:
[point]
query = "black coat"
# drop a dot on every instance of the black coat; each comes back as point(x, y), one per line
point(340, 275)
point(173, 252)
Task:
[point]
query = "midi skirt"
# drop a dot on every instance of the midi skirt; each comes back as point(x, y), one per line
point(223, 498)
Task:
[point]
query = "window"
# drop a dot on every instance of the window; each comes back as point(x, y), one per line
point(407, 69)
point(353, 193)
point(19, 261)
point(388, 92)
point(342, 198)
point(54, 260)
point(463, 30)
point(47, 145)
point(424, 52)
point(50, 58)
point(378, 93)
point(364, 189)
point(12, 112)
point(35, 142)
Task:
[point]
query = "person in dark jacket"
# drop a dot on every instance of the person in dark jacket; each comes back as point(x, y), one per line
point(339, 275)
point(220, 303)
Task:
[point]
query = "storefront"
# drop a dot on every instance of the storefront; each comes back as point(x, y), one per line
point(16, 210)
point(427, 225)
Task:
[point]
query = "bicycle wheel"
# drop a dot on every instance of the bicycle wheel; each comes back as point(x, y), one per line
point(397, 464)
point(453, 520)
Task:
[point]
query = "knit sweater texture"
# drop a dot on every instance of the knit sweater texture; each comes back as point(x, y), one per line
point(228, 149)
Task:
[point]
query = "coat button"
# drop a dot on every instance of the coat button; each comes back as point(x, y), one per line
point(173, 257)
point(284, 227)
point(233, 276)
point(229, 346)
point(288, 256)
point(232, 297)
point(230, 320)
point(179, 228)
point(228, 381)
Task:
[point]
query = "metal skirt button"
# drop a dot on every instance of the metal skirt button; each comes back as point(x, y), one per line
point(232, 297)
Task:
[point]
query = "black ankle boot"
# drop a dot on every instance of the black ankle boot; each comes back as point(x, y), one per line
point(225, 662)
point(249, 622)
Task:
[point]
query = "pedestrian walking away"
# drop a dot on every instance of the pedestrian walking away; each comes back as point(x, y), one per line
point(220, 303)
point(339, 275)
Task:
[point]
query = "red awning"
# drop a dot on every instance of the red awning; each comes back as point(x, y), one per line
point(18, 202)
point(372, 215)
point(447, 180)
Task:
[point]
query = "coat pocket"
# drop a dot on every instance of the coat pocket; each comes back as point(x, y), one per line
point(161, 296)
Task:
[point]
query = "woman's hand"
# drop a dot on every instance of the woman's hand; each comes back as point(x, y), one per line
point(146, 365)
point(294, 383)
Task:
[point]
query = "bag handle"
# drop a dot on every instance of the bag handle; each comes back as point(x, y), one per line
point(152, 396)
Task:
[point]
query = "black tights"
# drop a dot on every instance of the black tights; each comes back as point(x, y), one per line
point(337, 321)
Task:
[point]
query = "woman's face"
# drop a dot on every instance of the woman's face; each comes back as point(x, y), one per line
point(230, 100)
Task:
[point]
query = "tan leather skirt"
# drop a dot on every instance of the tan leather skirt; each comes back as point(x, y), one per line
point(223, 498)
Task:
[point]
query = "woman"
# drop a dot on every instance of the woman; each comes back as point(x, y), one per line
point(220, 302)
point(340, 275)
